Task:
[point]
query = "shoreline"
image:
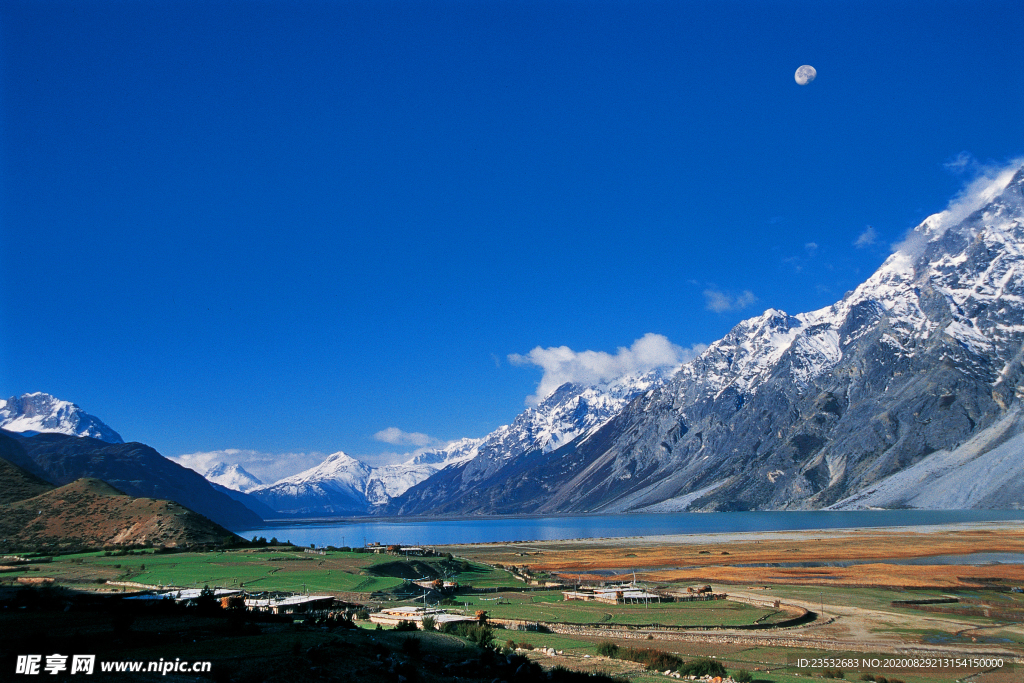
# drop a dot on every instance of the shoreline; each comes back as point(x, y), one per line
point(713, 538)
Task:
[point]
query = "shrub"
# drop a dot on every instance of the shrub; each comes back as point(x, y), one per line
point(833, 673)
point(411, 646)
point(702, 667)
point(406, 625)
point(363, 614)
point(429, 623)
point(607, 649)
point(525, 646)
point(474, 633)
point(742, 676)
point(654, 659)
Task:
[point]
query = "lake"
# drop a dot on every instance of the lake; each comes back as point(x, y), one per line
point(357, 532)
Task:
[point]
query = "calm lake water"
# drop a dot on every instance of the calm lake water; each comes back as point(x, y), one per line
point(492, 530)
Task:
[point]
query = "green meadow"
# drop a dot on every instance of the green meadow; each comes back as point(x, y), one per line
point(262, 569)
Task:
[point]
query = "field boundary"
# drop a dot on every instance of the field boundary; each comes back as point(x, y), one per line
point(802, 616)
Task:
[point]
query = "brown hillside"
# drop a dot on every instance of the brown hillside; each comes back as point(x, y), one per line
point(17, 484)
point(91, 513)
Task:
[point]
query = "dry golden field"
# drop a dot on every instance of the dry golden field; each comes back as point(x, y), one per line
point(683, 559)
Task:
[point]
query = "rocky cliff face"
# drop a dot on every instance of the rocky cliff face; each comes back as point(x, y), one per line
point(811, 410)
point(568, 414)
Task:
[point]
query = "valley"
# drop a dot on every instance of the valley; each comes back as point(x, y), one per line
point(877, 610)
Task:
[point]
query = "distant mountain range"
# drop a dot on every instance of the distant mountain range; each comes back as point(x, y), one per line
point(904, 393)
point(342, 485)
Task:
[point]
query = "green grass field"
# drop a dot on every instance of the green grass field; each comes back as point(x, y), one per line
point(268, 569)
point(550, 607)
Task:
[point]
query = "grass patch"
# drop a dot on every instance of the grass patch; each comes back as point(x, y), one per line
point(267, 570)
point(548, 606)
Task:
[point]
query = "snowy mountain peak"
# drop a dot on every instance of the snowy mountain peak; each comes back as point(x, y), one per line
point(233, 476)
point(918, 370)
point(338, 466)
point(40, 412)
point(343, 485)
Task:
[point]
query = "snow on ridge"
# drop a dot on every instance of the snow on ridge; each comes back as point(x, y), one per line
point(42, 413)
point(750, 352)
point(337, 467)
point(232, 476)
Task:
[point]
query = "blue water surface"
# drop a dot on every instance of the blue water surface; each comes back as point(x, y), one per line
point(357, 532)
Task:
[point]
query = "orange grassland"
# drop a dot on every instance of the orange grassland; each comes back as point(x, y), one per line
point(692, 559)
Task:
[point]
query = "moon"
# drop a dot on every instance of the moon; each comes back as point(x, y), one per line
point(805, 74)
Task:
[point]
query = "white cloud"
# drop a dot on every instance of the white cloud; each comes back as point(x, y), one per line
point(988, 182)
point(720, 302)
point(387, 458)
point(866, 238)
point(269, 467)
point(395, 436)
point(960, 163)
point(561, 364)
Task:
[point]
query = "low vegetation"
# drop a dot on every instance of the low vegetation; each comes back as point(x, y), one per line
point(549, 606)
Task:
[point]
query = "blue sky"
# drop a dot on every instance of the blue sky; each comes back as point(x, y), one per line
point(288, 226)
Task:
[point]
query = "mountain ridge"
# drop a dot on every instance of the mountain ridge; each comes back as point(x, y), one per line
point(802, 411)
point(90, 513)
point(137, 470)
point(42, 413)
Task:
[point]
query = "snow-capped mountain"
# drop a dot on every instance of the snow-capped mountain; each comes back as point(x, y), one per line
point(885, 396)
point(334, 487)
point(233, 477)
point(569, 412)
point(343, 485)
point(391, 481)
point(42, 413)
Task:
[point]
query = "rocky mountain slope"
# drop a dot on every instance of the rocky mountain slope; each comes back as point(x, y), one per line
point(41, 413)
point(342, 485)
point(135, 469)
point(89, 513)
point(569, 413)
point(18, 484)
point(917, 371)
